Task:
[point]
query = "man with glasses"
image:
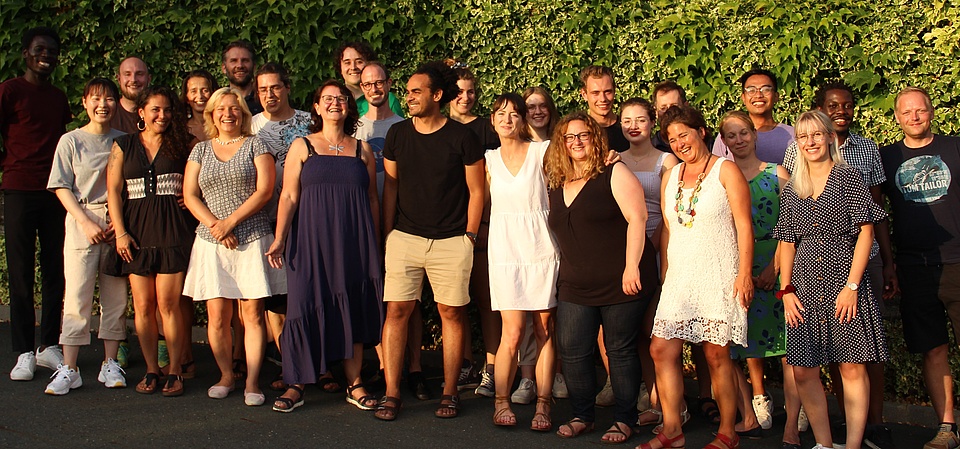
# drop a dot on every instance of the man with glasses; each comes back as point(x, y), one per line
point(759, 96)
point(373, 125)
point(598, 89)
point(349, 60)
point(432, 201)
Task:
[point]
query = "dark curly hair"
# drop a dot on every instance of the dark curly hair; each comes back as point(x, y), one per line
point(176, 139)
point(820, 97)
point(442, 78)
point(366, 52)
point(353, 114)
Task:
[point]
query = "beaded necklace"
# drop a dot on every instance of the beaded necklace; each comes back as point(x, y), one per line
point(689, 211)
point(228, 142)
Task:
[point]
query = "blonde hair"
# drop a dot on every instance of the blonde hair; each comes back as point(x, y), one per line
point(742, 117)
point(807, 122)
point(214, 102)
point(557, 162)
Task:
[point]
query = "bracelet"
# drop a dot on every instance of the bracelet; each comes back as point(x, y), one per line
point(123, 235)
point(789, 288)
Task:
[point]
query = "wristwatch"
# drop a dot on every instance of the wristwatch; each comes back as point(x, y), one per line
point(472, 236)
point(853, 286)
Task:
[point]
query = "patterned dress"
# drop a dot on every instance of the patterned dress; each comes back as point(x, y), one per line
point(766, 330)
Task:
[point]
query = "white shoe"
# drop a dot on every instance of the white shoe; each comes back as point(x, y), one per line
point(802, 422)
point(52, 357)
point(525, 393)
point(111, 375)
point(560, 387)
point(25, 367)
point(64, 380)
point(763, 407)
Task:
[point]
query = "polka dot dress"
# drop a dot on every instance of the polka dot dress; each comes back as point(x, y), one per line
point(825, 232)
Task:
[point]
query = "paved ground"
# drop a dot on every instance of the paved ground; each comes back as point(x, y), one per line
point(94, 416)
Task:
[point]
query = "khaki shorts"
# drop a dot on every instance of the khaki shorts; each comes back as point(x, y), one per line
point(445, 262)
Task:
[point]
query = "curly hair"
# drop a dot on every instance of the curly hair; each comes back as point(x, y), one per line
point(442, 78)
point(820, 96)
point(557, 162)
point(353, 114)
point(176, 138)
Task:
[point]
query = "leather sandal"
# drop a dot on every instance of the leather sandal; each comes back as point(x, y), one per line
point(730, 443)
point(388, 408)
point(665, 442)
point(541, 421)
point(450, 409)
point(587, 428)
point(503, 415)
point(361, 403)
point(149, 384)
point(616, 429)
point(170, 389)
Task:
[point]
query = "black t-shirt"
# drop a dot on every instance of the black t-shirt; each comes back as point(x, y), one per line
point(489, 139)
point(660, 144)
point(253, 102)
point(615, 137)
point(925, 201)
point(432, 187)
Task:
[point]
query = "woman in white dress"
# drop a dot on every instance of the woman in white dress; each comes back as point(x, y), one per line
point(522, 255)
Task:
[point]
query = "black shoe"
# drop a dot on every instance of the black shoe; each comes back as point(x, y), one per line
point(878, 437)
point(418, 386)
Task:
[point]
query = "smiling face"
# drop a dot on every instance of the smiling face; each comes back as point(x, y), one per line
point(100, 105)
point(759, 95)
point(598, 93)
point(538, 114)
point(332, 105)
point(914, 114)
point(370, 78)
point(578, 140)
point(739, 138)
point(273, 93)
point(238, 66)
point(156, 114)
point(686, 142)
point(132, 78)
point(351, 64)
point(466, 99)
point(421, 100)
point(507, 122)
point(198, 92)
point(42, 56)
point(838, 105)
point(636, 123)
point(813, 142)
point(228, 116)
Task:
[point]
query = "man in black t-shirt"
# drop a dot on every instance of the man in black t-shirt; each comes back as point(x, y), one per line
point(599, 90)
point(926, 216)
point(432, 200)
point(239, 65)
point(665, 94)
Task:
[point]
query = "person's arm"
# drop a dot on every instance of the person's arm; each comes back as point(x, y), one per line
point(475, 185)
point(289, 201)
point(628, 193)
point(390, 179)
point(93, 232)
point(891, 285)
point(266, 180)
point(370, 161)
point(846, 305)
point(738, 194)
point(115, 183)
point(664, 229)
point(792, 307)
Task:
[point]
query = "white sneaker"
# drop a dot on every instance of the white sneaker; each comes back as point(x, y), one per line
point(25, 367)
point(525, 393)
point(111, 375)
point(763, 407)
point(64, 380)
point(605, 396)
point(802, 422)
point(52, 357)
point(560, 387)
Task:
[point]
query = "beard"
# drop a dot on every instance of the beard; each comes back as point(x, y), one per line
point(240, 82)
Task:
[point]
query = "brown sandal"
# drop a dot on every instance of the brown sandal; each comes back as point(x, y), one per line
point(587, 428)
point(450, 409)
point(503, 416)
point(541, 420)
point(149, 384)
point(388, 408)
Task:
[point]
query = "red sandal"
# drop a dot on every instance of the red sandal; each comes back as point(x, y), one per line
point(665, 442)
point(730, 443)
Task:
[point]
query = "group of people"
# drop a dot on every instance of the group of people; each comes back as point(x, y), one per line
point(577, 236)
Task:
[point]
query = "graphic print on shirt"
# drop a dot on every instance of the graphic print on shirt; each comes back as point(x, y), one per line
point(923, 179)
point(376, 144)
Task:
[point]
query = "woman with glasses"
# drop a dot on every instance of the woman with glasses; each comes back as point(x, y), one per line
point(826, 229)
point(327, 237)
point(607, 270)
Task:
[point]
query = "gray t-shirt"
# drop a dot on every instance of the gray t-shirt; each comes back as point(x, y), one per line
point(80, 164)
point(771, 145)
point(277, 135)
point(225, 185)
point(374, 132)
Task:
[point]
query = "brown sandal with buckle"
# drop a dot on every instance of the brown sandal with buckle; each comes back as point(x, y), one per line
point(449, 406)
point(388, 408)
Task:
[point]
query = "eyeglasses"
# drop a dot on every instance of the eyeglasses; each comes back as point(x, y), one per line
point(762, 90)
point(329, 99)
point(272, 89)
point(818, 137)
point(378, 83)
point(583, 137)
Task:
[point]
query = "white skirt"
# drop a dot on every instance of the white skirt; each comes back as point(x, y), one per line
point(241, 273)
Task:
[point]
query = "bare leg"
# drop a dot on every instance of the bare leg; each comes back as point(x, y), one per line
point(169, 289)
point(219, 316)
point(415, 338)
point(755, 367)
point(791, 402)
point(452, 319)
point(110, 348)
point(666, 357)
point(724, 385)
point(857, 397)
point(936, 374)
point(255, 341)
point(546, 360)
point(70, 354)
point(506, 362)
point(394, 341)
point(351, 367)
point(143, 289)
point(745, 401)
point(814, 402)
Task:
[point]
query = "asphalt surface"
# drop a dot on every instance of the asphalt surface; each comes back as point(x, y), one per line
point(93, 416)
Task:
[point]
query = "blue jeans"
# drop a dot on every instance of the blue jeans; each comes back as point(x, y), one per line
point(577, 329)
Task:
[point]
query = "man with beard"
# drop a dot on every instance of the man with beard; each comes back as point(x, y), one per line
point(33, 116)
point(132, 77)
point(239, 63)
point(432, 201)
point(599, 90)
point(349, 60)
point(373, 125)
point(759, 96)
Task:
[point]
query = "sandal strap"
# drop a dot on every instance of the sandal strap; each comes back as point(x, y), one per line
point(730, 442)
point(352, 388)
point(389, 403)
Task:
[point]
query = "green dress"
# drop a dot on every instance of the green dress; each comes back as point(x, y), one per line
point(766, 327)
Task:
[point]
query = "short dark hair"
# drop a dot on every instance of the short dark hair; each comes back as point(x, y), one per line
point(32, 33)
point(519, 105)
point(820, 96)
point(353, 114)
point(101, 85)
point(687, 115)
point(667, 86)
point(276, 69)
point(240, 43)
point(596, 71)
point(758, 71)
point(365, 50)
point(442, 78)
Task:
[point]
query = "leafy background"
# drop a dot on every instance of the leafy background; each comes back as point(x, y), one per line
point(878, 47)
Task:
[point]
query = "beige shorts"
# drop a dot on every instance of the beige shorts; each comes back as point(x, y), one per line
point(445, 262)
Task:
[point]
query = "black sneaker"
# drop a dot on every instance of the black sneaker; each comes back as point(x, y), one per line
point(418, 386)
point(469, 378)
point(878, 437)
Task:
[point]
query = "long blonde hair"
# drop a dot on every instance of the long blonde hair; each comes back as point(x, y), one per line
point(810, 122)
point(557, 162)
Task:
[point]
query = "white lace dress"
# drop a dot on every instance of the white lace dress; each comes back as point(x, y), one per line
point(698, 303)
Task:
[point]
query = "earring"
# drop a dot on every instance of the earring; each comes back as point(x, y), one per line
point(141, 125)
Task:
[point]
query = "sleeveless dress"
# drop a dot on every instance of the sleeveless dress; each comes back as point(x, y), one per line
point(163, 230)
point(334, 280)
point(698, 302)
point(521, 253)
point(766, 330)
point(650, 181)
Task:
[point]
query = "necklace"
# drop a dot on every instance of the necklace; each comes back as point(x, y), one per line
point(228, 142)
point(336, 148)
point(689, 211)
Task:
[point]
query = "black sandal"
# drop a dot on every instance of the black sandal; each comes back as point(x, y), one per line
point(289, 405)
point(453, 405)
point(168, 388)
point(388, 408)
point(362, 402)
point(149, 384)
point(325, 381)
point(709, 410)
point(277, 384)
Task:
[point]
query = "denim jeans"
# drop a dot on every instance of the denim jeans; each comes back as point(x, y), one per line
point(577, 329)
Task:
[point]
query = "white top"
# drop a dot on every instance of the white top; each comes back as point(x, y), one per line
point(650, 180)
point(521, 251)
point(80, 164)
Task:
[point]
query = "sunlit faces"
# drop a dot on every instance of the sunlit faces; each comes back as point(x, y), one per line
point(42, 56)
point(598, 93)
point(156, 114)
point(507, 122)
point(228, 116)
point(686, 142)
point(814, 143)
point(375, 85)
point(636, 123)
point(578, 140)
point(332, 104)
point(538, 114)
point(838, 105)
point(665, 99)
point(238, 66)
point(351, 64)
point(422, 101)
point(272, 92)
point(739, 138)
point(100, 105)
point(466, 99)
point(914, 114)
point(132, 77)
point(759, 95)
point(198, 92)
